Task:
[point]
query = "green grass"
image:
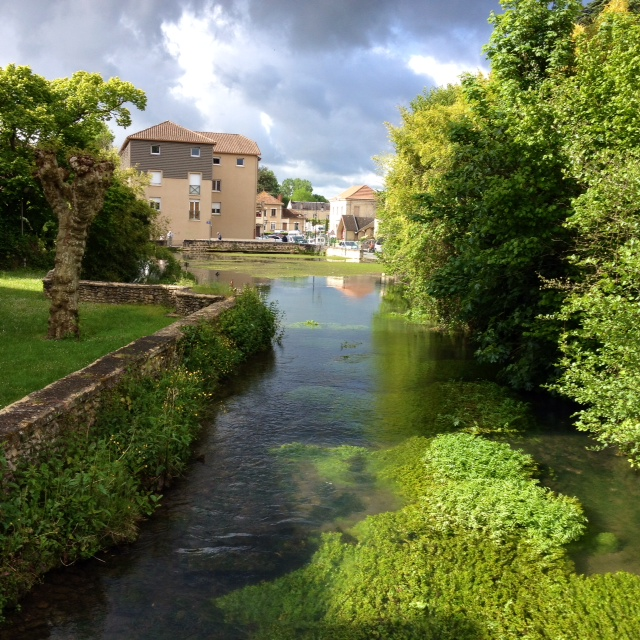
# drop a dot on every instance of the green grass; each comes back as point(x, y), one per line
point(285, 266)
point(29, 362)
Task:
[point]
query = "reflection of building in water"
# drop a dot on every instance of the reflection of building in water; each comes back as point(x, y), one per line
point(232, 278)
point(353, 287)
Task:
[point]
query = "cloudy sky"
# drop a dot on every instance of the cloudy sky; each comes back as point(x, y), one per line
point(311, 81)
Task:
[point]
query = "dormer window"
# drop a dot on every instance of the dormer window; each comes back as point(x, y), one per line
point(155, 149)
point(195, 152)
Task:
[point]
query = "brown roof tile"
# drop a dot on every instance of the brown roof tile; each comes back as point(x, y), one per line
point(232, 143)
point(359, 192)
point(171, 132)
point(267, 198)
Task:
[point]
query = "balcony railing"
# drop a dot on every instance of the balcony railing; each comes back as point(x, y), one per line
point(194, 189)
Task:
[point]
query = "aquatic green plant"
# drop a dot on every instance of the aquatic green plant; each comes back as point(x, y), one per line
point(401, 575)
point(606, 542)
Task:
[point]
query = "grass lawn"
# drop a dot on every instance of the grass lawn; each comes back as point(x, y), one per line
point(29, 362)
point(284, 266)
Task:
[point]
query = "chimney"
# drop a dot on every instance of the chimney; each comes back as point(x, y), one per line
point(280, 197)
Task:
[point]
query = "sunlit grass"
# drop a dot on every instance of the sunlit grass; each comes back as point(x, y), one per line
point(29, 362)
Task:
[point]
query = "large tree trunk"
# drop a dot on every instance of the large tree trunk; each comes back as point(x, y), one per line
point(76, 197)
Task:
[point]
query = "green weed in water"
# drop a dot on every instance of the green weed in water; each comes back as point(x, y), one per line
point(401, 575)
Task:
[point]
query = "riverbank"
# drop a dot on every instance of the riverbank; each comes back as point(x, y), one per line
point(281, 266)
point(88, 487)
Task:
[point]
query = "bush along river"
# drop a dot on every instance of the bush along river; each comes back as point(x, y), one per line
point(364, 480)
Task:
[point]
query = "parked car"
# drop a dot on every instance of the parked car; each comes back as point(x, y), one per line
point(378, 246)
point(348, 244)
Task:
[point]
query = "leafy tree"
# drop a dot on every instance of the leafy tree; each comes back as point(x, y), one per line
point(478, 190)
point(267, 181)
point(302, 195)
point(597, 114)
point(290, 185)
point(118, 244)
point(62, 125)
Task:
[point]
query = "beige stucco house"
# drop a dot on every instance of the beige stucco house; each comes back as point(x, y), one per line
point(359, 201)
point(202, 183)
point(272, 216)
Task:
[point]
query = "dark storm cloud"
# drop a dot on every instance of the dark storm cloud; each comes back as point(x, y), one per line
point(327, 75)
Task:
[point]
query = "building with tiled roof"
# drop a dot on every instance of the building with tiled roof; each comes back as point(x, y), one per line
point(358, 202)
point(202, 183)
point(355, 228)
point(272, 216)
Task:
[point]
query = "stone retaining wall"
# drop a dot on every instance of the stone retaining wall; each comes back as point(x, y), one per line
point(249, 246)
point(181, 299)
point(72, 403)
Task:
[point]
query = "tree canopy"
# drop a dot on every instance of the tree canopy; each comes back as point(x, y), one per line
point(267, 181)
point(511, 206)
point(60, 127)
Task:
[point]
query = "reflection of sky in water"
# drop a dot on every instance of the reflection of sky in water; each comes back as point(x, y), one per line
point(345, 374)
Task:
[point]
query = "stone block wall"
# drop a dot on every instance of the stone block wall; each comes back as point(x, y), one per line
point(248, 246)
point(180, 299)
point(72, 403)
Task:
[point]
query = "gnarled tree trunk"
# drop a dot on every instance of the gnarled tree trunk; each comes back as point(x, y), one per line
point(76, 197)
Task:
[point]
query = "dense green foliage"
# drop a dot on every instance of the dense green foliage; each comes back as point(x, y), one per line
point(511, 206)
point(68, 114)
point(119, 247)
point(402, 575)
point(90, 488)
point(267, 181)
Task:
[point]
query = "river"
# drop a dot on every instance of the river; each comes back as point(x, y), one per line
point(347, 372)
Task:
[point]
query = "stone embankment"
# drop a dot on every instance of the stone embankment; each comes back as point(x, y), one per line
point(72, 403)
point(249, 246)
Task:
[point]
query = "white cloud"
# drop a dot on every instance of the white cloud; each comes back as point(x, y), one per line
point(442, 73)
point(266, 121)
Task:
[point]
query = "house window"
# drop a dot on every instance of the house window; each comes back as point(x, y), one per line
point(154, 203)
point(155, 149)
point(195, 152)
point(296, 226)
point(284, 226)
point(239, 162)
point(194, 209)
point(216, 209)
point(273, 213)
point(217, 185)
point(273, 226)
point(156, 178)
point(194, 184)
point(216, 160)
